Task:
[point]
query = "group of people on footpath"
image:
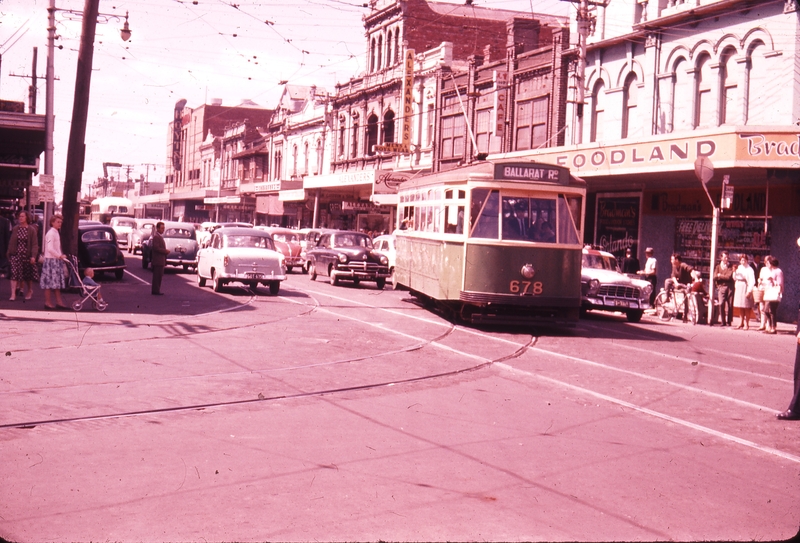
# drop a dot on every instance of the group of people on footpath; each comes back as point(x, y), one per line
point(27, 264)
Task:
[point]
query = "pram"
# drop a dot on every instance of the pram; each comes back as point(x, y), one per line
point(87, 292)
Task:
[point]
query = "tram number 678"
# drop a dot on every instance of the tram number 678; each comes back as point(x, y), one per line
point(525, 288)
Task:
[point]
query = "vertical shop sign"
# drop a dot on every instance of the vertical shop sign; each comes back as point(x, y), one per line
point(501, 87)
point(617, 222)
point(408, 99)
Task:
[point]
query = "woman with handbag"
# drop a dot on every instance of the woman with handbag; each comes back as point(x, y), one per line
point(23, 247)
point(772, 294)
point(53, 267)
point(762, 282)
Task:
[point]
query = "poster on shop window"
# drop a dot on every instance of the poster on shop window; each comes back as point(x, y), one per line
point(616, 222)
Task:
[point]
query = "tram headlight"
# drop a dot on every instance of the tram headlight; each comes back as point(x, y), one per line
point(343, 258)
point(527, 271)
point(594, 286)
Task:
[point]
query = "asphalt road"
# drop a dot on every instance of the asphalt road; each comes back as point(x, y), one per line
point(342, 414)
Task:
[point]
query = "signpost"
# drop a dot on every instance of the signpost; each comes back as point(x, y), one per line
point(705, 171)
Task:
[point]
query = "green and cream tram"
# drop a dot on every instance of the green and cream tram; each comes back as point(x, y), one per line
point(497, 241)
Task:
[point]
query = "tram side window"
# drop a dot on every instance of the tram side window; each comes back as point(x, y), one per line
point(568, 219)
point(485, 213)
point(454, 219)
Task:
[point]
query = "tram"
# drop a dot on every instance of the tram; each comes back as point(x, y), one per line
point(110, 206)
point(494, 242)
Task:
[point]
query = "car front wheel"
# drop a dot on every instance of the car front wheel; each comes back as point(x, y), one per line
point(634, 315)
point(380, 282)
point(312, 272)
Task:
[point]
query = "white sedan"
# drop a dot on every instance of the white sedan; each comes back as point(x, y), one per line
point(243, 255)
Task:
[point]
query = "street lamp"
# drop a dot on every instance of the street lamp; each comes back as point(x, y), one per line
point(76, 150)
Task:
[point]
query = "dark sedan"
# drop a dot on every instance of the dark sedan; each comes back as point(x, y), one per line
point(98, 249)
point(342, 254)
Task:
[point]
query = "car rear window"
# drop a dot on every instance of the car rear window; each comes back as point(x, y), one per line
point(178, 233)
point(258, 242)
point(97, 235)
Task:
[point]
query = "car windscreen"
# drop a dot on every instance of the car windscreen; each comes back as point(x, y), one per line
point(599, 262)
point(286, 238)
point(257, 242)
point(178, 233)
point(126, 224)
point(97, 235)
point(352, 240)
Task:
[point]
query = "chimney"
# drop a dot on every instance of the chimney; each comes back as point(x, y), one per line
point(216, 101)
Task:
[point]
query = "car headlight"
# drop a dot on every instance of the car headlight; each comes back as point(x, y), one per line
point(647, 290)
point(343, 258)
point(594, 285)
point(384, 261)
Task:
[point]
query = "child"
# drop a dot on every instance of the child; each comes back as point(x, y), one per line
point(88, 280)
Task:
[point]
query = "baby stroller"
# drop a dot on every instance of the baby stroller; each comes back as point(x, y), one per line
point(87, 292)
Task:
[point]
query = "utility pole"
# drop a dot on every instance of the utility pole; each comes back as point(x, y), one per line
point(583, 22)
point(76, 150)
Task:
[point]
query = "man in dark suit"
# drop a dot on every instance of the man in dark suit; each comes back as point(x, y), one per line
point(158, 258)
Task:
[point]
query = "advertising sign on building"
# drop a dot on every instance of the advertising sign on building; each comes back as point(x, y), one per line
point(501, 83)
point(617, 222)
point(408, 99)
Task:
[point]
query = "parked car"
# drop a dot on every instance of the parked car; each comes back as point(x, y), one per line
point(142, 231)
point(181, 242)
point(385, 246)
point(342, 254)
point(605, 288)
point(244, 255)
point(98, 249)
point(123, 226)
point(287, 242)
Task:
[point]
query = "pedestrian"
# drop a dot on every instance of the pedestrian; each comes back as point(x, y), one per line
point(723, 279)
point(773, 293)
point(793, 413)
point(698, 290)
point(88, 280)
point(745, 280)
point(649, 272)
point(52, 280)
point(681, 274)
point(23, 248)
point(158, 258)
point(630, 264)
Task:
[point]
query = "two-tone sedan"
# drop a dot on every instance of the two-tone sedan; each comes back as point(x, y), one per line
point(605, 288)
point(181, 242)
point(243, 255)
point(342, 254)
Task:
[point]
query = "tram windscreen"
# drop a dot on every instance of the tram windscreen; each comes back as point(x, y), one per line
point(484, 213)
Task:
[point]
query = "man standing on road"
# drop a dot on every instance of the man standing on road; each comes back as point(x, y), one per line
point(649, 272)
point(158, 258)
point(723, 279)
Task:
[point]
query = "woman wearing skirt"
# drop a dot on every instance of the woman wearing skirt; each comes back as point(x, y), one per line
point(52, 279)
point(745, 280)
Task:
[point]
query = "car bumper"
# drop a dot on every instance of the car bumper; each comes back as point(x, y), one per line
point(367, 275)
point(247, 276)
point(609, 303)
point(182, 262)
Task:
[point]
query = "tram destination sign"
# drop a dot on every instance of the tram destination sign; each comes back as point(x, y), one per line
point(525, 171)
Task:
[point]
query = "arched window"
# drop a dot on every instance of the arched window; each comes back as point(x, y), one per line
point(598, 110)
point(379, 50)
point(294, 160)
point(682, 97)
point(705, 110)
point(760, 94)
point(389, 56)
point(278, 160)
point(630, 97)
point(397, 46)
point(354, 137)
point(388, 127)
point(305, 158)
point(318, 169)
point(372, 134)
point(341, 143)
point(729, 112)
point(372, 55)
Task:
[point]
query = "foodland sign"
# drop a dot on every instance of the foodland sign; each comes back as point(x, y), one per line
point(727, 150)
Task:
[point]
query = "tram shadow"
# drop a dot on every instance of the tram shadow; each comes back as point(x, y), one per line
point(590, 326)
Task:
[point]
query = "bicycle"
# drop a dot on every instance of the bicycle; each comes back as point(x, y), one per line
point(680, 305)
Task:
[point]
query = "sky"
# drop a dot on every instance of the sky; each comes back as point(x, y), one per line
point(197, 50)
